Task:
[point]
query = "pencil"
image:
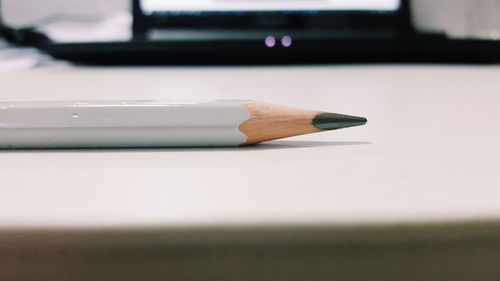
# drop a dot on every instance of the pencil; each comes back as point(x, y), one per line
point(104, 124)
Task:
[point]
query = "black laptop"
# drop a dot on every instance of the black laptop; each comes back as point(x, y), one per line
point(275, 32)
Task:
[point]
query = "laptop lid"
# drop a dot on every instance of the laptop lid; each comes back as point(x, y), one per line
point(242, 15)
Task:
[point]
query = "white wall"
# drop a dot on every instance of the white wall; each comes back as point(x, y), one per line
point(26, 12)
point(459, 18)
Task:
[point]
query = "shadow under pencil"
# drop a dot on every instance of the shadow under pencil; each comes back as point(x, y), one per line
point(273, 145)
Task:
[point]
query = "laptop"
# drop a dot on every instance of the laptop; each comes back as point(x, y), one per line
point(274, 32)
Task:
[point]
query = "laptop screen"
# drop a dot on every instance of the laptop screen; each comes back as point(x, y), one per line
point(152, 6)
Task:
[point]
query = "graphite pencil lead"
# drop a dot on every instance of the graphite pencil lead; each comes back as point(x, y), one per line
point(334, 121)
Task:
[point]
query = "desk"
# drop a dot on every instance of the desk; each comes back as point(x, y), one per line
point(429, 158)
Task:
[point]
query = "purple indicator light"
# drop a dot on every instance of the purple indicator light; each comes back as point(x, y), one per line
point(270, 41)
point(286, 41)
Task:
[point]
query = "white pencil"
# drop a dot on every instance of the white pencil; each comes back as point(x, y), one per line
point(157, 124)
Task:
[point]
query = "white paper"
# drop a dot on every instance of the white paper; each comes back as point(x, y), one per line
point(13, 58)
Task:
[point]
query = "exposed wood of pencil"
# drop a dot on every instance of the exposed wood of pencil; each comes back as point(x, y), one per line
point(269, 122)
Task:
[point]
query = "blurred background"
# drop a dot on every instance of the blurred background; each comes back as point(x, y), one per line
point(446, 31)
point(28, 12)
point(457, 18)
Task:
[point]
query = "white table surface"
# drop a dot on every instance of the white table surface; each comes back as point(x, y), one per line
point(430, 152)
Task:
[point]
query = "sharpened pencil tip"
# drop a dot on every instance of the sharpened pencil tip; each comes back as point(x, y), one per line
point(334, 121)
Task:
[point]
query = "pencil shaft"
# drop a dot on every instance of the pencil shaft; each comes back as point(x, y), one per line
point(121, 124)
